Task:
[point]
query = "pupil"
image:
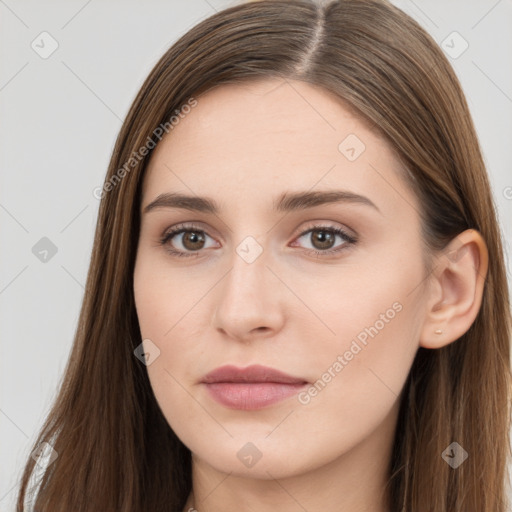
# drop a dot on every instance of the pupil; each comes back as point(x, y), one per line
point(325, 238)
point(193, 237)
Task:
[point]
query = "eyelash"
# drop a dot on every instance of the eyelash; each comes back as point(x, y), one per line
point(187, 228)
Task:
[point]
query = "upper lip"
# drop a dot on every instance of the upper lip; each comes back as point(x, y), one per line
point(254, 373)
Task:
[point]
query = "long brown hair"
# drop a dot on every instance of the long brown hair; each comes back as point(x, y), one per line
point(116, 451)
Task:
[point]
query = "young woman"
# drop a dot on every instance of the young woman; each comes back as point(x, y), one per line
point(297, 297)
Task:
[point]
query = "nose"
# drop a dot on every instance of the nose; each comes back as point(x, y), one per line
point(249, 300)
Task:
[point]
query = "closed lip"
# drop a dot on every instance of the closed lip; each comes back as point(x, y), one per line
point(250, 374)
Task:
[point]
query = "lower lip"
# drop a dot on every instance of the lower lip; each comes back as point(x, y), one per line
point(251, 396)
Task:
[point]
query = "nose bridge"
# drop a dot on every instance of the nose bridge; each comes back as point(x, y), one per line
point(248, 276)
point(247, 299)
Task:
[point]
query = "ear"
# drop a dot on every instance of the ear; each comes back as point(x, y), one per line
point(456, 289)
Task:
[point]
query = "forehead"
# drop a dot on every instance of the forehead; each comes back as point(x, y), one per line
point(271, 136)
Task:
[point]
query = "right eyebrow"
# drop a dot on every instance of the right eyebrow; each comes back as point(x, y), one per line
point(176, 200)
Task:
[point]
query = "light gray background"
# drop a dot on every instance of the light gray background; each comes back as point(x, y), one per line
point(59, 119)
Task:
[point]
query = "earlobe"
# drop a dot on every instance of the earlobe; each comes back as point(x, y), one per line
point(456, 291)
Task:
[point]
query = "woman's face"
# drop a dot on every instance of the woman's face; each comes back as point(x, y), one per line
point(267, 280)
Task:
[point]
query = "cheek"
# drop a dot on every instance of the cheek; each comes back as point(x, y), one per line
point(164, 299)
point(373, 315)
point(168, 315)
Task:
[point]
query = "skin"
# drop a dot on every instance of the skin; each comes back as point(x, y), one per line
point(243, 146)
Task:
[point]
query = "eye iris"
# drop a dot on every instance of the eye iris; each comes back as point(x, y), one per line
point(325, 238)
point(193, 237)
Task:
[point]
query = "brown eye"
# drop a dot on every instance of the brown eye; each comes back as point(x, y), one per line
point(193, 240)
point(323, 239)
point(184, 241)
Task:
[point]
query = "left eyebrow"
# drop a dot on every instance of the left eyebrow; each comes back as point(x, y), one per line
point(303, 200)
point(287, 202)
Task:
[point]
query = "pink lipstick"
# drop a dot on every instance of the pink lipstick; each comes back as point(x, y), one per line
point(250, 388)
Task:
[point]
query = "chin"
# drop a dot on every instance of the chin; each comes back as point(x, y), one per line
point(259, 457)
